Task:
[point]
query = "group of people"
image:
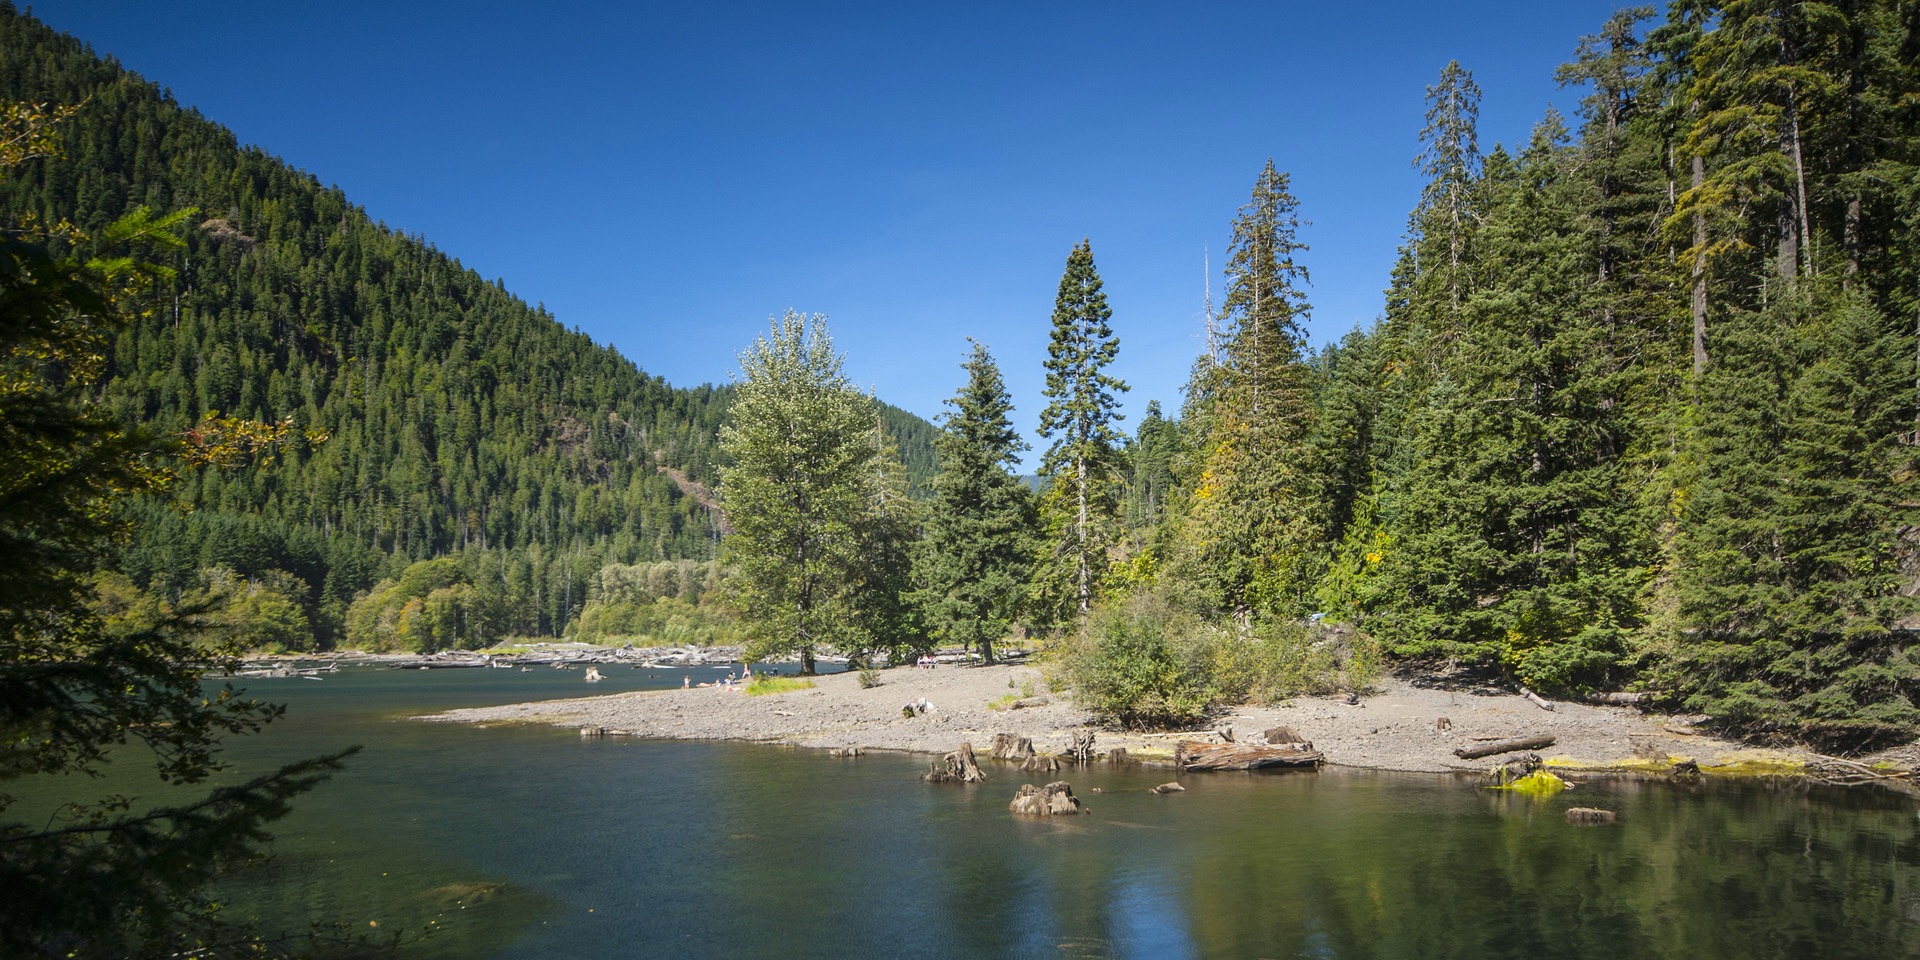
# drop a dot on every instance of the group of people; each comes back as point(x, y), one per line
point(926, 662)
point(728, 682)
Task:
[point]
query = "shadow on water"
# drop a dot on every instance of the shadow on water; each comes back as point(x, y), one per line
point(519, 842)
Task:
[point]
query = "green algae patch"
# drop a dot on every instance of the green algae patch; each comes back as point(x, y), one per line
point(1538, 784)
point(1756, 763)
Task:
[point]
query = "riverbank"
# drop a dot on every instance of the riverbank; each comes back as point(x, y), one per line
point(1398, 727)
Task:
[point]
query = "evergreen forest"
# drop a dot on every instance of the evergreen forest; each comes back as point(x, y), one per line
point(1641, 412)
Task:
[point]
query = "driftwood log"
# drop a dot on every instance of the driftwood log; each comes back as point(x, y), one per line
point(956, 767)
point(1194, 755)
point(1082, 749)
point(1503, 746)
point(1054, 799)
point(1590, 815)
point(1536, 699)
point(1617, 699)
point(1006, 746)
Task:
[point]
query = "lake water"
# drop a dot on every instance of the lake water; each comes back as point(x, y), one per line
point(512, 842)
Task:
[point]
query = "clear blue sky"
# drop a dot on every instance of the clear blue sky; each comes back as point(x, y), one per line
point(666, 177)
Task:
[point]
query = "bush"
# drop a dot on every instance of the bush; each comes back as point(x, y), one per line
point(1132, 667)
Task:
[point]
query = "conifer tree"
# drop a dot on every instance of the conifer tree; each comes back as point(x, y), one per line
point(975, 558)
point(1252, 534)
point(796, 486)
point(1080, 470)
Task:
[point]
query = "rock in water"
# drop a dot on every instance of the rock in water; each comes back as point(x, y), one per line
point(1174, 787)
point(1586, 816)
point(1054, 799)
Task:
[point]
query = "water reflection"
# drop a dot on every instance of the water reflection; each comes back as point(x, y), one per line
point(527, 842)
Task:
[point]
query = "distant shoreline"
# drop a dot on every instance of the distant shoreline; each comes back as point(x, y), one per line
point(1399, 728)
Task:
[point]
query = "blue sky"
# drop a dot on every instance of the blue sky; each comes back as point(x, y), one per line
point(666, 177)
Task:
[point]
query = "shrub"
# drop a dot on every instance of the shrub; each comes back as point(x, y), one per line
point(1133, 666)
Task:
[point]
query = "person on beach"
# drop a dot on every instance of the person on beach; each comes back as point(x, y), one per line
point(686, 682)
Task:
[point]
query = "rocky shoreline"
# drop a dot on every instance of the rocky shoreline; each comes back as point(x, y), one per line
point(1403, 725)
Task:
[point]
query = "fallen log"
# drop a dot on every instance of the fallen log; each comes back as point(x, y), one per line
point(1194, 755)
point(1503, 746)
point(1627, 699)
point(1536, 699)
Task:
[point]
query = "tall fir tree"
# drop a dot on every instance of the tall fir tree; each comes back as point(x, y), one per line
point(973, 562)
point(1252, 537)
point(1081, 470)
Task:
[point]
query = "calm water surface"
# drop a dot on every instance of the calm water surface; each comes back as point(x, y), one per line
point(511, 842)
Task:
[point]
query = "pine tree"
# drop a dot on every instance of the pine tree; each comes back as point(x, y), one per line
point(1080, 470)
point(1251, 539)
point(796, 486)
point(973, 563)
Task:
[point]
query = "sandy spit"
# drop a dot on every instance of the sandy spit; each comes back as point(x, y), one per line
point(1397, 727)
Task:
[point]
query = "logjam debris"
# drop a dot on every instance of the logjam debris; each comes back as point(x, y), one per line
point(1194, 755)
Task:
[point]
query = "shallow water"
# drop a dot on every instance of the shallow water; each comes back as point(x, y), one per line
point(515, 842)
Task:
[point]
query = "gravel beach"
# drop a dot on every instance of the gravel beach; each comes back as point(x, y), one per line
point(1397, 727)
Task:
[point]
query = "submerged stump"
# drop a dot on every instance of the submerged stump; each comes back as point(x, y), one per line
point(1054, 799)
point(956, 767)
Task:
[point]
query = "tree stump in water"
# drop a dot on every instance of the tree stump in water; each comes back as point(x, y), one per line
point(1587, 816)
point(1054, 799)
point(1117, 755)
point(1040, 764)
point(1082, 749)
point(956, 767)
point(1006, 746)
point(1516, 768)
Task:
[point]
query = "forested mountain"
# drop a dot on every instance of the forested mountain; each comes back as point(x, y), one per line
point(432, 413)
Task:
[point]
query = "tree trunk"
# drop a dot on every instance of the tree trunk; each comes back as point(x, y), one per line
point(1699, 272)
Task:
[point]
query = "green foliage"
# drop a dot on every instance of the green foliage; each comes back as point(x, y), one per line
point(1081, 470)
point(973, 560)
point(1133, 666)
point(1251, 536)
point(764, 684)
point(668, 603)
point(88, 667)
point(458, 418)
point(811, 503)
